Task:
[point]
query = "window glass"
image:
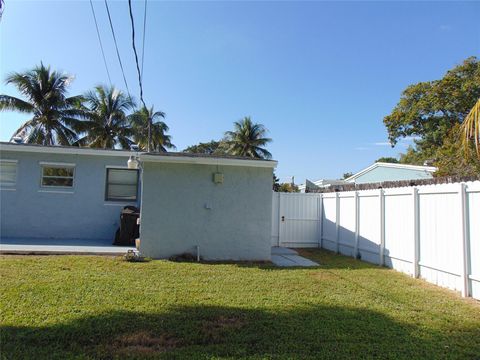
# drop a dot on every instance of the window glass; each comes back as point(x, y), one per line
point(8, 173)
point(57, 175)
point(122, 185)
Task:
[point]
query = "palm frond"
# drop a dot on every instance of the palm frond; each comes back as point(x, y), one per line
point(471, 128)
point(14, 104)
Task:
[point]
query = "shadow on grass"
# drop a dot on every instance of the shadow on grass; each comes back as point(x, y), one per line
point(205, 332)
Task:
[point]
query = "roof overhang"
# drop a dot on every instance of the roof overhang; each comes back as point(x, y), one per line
point(159, 158)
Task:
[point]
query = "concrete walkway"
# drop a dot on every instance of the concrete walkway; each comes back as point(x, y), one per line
point(27, 246)
point(284, 257)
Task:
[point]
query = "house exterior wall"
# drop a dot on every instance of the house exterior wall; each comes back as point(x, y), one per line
point(380, 174)
point(32, 211)
point(183, 208)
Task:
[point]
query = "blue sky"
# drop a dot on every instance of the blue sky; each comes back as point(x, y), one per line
point(319, 75)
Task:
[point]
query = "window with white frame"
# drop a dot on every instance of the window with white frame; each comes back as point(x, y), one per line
point(121, 184)
point(57, 175)
point(8, 173)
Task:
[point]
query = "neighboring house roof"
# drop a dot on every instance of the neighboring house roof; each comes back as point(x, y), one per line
point(168, 157)
point(429, 169)
point(320, 183)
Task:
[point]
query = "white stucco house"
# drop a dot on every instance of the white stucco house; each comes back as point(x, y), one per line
point(376, 173)
point(220, 206)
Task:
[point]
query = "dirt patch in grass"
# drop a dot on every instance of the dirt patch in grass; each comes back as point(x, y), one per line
point(144, 343)
point(215, 329)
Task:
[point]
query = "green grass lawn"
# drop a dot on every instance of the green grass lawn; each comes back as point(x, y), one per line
point(102, 307)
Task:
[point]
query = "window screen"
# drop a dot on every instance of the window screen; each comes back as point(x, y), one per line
point(8, 173)
point(122, 185)
point(57, 175)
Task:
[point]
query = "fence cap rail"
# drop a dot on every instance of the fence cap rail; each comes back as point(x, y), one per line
point(397, 184)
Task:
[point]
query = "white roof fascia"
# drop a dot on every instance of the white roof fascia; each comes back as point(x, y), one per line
point(64, 150)
point(144, 157)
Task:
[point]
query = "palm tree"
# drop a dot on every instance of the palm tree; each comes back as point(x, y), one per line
point(247, 139)
point(106, 124)
point(147, 125)
point(471, 128)
point(55, 115)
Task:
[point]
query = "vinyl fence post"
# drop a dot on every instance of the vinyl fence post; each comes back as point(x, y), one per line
point(320, 221)
point(382, 227)
point(465, 241)
point(416, 233)
point(280, 210)
point(337, 222)
point(357, 223)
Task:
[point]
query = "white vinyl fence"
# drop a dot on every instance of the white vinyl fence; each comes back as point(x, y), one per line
point(430, 231)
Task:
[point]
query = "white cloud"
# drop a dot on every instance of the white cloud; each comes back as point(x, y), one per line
point(381, 143)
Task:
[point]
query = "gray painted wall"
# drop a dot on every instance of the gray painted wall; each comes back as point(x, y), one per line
point(380, 174)
point(31, 211)
point(175, 215)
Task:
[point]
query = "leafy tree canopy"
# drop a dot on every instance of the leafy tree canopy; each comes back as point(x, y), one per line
point(451, 158)
point(347, 175)
point(287, 187)
point(210, 148)
point(387, 159)
point(430, 109)
point(432, 112)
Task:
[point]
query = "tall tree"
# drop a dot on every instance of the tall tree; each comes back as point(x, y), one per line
point(247, 139)
point(429, 110)
point(106, 124)
point(144, 118)
point(55, 115)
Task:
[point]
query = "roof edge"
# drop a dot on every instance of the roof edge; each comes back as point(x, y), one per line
point(391, 165)
point(208, 160)
point(171, 158)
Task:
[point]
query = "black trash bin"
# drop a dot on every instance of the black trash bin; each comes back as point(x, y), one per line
point(128, 230)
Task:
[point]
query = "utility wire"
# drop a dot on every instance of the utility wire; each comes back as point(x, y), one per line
point(135, 52)
point(100, 42)
point(116, 47)
point(143, 42)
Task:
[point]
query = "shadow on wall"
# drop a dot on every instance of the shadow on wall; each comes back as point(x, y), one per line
point(204, 331)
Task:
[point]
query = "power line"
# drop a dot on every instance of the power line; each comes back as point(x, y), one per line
point(143, 42)
point(100, 41)
point(116, 47)
point(135, 52)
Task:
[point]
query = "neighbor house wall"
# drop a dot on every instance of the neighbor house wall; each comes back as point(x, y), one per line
point(183, 208)
point(31, 211)
point(380, 174)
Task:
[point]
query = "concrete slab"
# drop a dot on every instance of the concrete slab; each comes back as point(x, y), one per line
point(301, 261)
point(282, 261)
point(60, 246)
point(276, 250)
point(284, 257)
